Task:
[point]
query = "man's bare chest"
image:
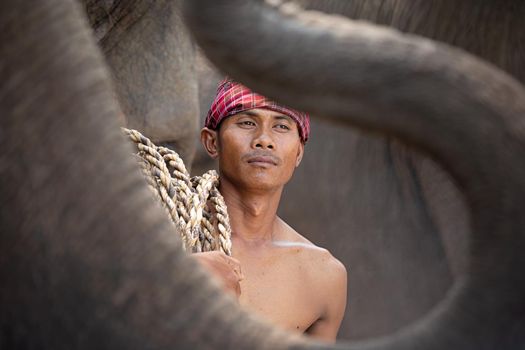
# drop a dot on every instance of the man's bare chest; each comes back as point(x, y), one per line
point(278, 289)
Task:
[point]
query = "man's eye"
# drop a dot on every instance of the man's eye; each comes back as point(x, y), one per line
point(246, 123)
point(283, 126)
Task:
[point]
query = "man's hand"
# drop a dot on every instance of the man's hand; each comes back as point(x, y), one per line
point(224, 267)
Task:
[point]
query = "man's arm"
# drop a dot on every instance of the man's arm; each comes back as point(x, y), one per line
point(333, 283)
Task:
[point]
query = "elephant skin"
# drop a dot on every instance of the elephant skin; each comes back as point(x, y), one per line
point(152, 61)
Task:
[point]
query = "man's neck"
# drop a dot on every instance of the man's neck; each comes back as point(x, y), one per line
point(253, 214)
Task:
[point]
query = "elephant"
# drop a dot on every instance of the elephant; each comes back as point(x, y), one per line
point(152, 61)
point(405, 240)
point(79, 269)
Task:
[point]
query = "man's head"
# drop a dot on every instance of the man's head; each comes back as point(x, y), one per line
point(233, 98)
point(258, 142)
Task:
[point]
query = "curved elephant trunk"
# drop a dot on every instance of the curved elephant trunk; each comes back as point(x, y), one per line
point(461, 111)
point(87, 260)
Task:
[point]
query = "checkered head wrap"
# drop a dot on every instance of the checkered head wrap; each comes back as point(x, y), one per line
point(233, 98)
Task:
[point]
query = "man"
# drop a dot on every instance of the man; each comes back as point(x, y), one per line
point(285, 278)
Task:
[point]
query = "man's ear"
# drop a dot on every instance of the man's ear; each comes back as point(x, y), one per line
point(300, 153)
point(210, 141)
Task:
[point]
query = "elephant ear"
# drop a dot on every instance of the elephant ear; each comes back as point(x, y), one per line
point(463, 112)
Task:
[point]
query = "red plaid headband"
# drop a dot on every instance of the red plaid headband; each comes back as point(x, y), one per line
point(233, 98)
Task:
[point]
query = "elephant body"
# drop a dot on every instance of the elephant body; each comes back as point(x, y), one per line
point(89, 261)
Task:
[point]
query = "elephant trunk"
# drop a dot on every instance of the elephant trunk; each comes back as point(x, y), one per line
point(461, 111)
point(87, 258)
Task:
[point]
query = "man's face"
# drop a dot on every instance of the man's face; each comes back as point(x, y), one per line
point(258, 149)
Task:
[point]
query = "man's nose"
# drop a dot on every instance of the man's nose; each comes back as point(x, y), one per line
point(263, 139)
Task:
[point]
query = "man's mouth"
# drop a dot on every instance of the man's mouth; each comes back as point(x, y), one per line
point(262, 160)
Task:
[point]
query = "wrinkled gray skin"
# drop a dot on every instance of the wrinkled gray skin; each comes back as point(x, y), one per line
point(404, 239)
point(152, 61)
point(88, 261)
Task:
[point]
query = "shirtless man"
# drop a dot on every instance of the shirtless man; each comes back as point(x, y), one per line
point(285, 278)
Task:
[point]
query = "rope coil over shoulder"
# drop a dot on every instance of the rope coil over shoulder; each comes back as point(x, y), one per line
point(194, 204)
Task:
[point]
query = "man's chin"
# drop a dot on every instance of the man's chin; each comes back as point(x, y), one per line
point(261, 182)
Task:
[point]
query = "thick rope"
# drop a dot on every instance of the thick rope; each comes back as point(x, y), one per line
point(194, 204)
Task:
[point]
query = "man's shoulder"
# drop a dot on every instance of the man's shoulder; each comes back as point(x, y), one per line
point(321, 261)
point(324, 266)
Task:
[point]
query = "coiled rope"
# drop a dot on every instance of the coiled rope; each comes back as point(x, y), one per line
point(194, 204)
